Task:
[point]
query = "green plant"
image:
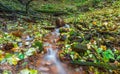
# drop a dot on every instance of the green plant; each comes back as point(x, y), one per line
point(39, 45)
point(107, 55)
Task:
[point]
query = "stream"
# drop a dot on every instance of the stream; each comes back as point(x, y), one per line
point(52, 50)
point(48, 62)
point(51, 59)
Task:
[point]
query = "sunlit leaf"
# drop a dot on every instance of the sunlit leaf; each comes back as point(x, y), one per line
point(1, 57)
point(89, 46)
point(94, 22)
point(25, 71)
point(12, 60)
point(33, 71)
point(103, 47)
point(72, 57)
point(68, 46)
point(30, 51)
point(15, 45)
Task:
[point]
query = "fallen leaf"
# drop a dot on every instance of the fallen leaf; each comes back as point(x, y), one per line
point(103, 47)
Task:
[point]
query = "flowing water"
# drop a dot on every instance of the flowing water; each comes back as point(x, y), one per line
point(51, 55)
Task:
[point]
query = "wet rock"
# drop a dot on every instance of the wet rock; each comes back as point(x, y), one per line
point(44, 69)
point(54, 70)
point(59, 22)
point(48, 63)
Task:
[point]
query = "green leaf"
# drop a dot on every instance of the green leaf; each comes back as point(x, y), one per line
point(21, 56)
point(8, 55)
point(72, 52)
point(33, 71)
point(110, 52)
point(107, 55)
point(72, 33)
point(118, 57)
point(15, 45)
point(39, 44)
point(72, 57)
point(99, 50)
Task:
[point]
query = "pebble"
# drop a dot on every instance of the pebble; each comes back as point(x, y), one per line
point(20, 44)
point(48, 63)
point(27, 43)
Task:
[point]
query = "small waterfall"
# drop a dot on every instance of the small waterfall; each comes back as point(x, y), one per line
point(51, 55)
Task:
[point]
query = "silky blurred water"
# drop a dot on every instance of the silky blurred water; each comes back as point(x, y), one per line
point(51, 55)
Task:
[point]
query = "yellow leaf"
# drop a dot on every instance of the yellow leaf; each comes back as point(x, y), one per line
point(94, 23)
point(14, 60)
point(103, 47)
point(1, 57)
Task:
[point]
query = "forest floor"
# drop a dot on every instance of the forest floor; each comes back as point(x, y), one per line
point(91, 45)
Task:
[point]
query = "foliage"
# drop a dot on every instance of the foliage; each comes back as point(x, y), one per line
point(92, 39)
point(39, 45)
point(28, 71)
point(7, 72)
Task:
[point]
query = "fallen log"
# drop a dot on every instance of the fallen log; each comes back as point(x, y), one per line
point(99, 65)
point(54, 12)
point(48, 27)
